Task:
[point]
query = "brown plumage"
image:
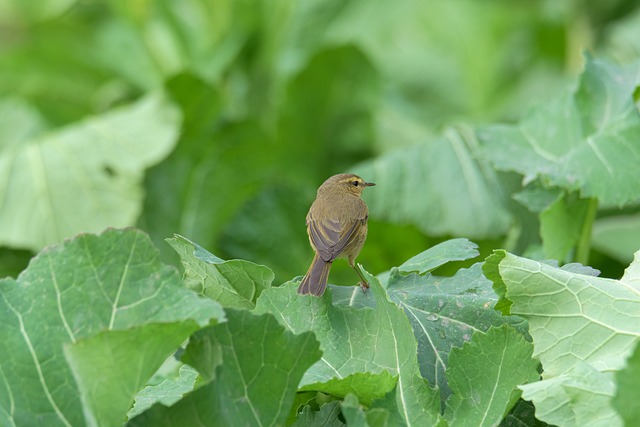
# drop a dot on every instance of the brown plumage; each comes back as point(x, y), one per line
point(337, 228)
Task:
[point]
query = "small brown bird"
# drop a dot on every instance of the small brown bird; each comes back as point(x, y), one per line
point(337, 228)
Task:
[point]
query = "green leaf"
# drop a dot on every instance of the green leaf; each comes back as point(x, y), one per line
point(445, 312)
point(369, 386)
point(438, 185)
point(326, 416)
point(436, 256)
point(352, 412)
point(483, 376)
point(113, 361)
point(583, 328)
point(348, 334)
point(84, 177)
point(537, 198)
point(167, 392)
point(70, 292)
point(626, 397)
point(562, 224)
point(586, 140)
point(522, 415)
point(234, 284)
point(579, 397)
point(491, 271)
point(258, 365)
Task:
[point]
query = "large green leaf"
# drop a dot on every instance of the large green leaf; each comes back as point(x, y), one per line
point(254, 365)
point(587, 140)
point(445, 312)
point(110, 367)
point(347, 336)
point(85, 177)
point(73, 291)
point(440, 186)
point(484, 374)
point(235, 283)
point(583, 329)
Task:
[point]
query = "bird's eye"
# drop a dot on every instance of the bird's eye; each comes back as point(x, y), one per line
point(355, 183)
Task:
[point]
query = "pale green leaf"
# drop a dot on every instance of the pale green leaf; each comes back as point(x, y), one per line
point(258, 365)
point(483, 376)
point(580, 397)
point(586, 140)
point(19, 122)
point(234, 283)
point(438, 185)
point(73, 291)
point(112, 366)
point(436, 256)
point(167, 392)
point(84, 177)
point(583, 329)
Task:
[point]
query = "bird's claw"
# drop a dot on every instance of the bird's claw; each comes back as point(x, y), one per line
point(364, 286)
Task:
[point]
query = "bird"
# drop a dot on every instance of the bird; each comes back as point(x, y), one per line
point(337, 228)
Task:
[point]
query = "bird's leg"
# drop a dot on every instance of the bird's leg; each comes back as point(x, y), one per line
point(363, 283)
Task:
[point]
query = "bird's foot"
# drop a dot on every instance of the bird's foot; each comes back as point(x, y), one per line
point(364, 286)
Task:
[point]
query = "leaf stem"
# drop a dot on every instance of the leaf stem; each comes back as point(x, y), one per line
point(584, 242)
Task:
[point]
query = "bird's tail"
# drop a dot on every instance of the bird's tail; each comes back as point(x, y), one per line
point(315, 281)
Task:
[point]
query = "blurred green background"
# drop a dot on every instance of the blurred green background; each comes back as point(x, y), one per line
point(218, 119)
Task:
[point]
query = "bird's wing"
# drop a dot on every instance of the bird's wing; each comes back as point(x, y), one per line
point(330, 237)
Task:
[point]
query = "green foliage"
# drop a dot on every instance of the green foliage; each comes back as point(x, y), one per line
point(217, 120)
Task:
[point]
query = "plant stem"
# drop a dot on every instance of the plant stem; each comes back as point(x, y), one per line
point(584, 242)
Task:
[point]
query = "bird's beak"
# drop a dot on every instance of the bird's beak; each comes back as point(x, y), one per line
point(369, 184)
